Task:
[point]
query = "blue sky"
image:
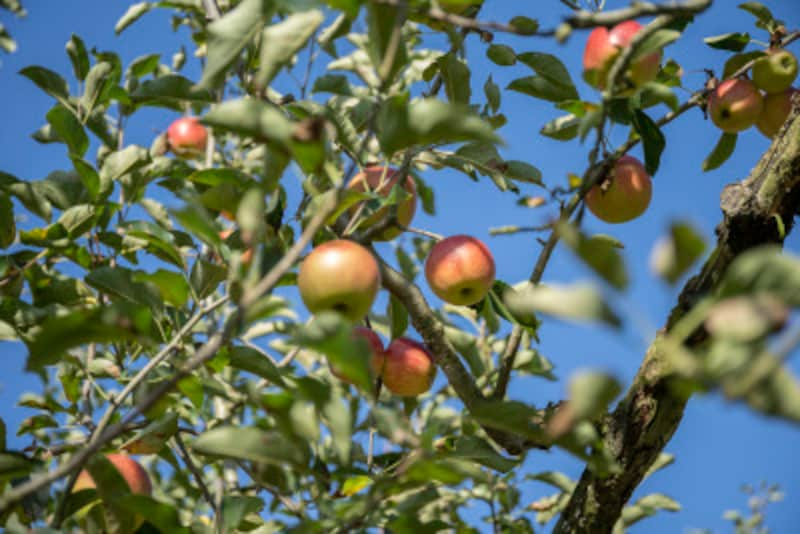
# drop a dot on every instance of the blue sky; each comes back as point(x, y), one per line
point(719, 446)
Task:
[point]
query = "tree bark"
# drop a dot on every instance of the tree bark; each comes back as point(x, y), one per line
point(645, 420)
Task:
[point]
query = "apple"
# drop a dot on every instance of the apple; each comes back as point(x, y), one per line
point(602, 49)
point(247, 255)
point(460, 270)
point(735, 105)
point(381, 180)
point(408, 368)
point(776, 108)
point(187, 137)
point(624, 195)
point(375, 348)
point(341, 276)
point(775, 72)
point(133, 473)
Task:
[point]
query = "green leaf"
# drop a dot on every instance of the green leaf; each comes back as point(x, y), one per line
point(78, 56)
point(550, 67)
point(162, 516)
point(387, 55)
point(331, 335)
point(49, 82)
point(99, 83)
point(555, 479)
point(522, 172)
point(501, 55)
point(171, 91)
point(337, 415)
point(120, 283)
point(252, 361)
point(283, 40)
point(428, 121)
point(759, 10)
point(590, 394)
point(69, 129)
point(652, 139)
point(77, 220)
point(562, 128)
point(764, 269)
point(543, 88)
point(511, 416)
point(133, 14)
point(236, 507)
point(737, 61)
point(252, 444)
point(477, 450)
point(492, 92)
point(456, 76)
point(104, 324)
point(228, 36)
point(524, 25)
point(647, 506)
point(152, 438)
point(111, 487)
point(735, 42)
point(252, 118)
point(677, 252)
point(14, 465)
point(655, 42)
point(398, 317)
point(8, 226)
point(172, 286)
point(578, 302)
point(206, 277)
point(599, 253)
point(143, 65)
point(337, 84)
point(120, 163)
point(722, 151)
point(355, 484)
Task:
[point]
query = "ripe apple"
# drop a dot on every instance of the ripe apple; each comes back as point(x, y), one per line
point(735, 105)
point(602, 48)
point(381, 180)
point(408, 368)
point(133, 473)
point(247, 255)
point(376, 352)
point(776, 108)
point(187, 137)
point(339, 275)
point(460, 270)
point(624, 195)
point(775, 72)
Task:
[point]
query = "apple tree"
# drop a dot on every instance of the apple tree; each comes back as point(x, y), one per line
point(219, 353)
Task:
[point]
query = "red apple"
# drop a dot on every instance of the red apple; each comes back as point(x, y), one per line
point(187, 137)
point(775, 72)
point(735, 105)
point(376, 352)
point(339, 275)
point(776, 108)
point(408, 368)
point(133, 473)
point(460, 270)
point(381, 180)
point(603, 47)
point(624, 195)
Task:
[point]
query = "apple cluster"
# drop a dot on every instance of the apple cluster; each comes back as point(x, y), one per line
point(344, 276)
point(765, 100)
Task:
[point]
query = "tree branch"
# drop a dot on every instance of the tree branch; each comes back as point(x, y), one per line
point(589, 19)
point(648, 416)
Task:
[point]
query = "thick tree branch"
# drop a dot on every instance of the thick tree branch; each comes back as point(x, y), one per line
point(648, 416)
point(589, 19)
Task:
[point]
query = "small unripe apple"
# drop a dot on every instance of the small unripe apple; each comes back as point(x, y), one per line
point(775, 72)
point(341, 276)
point(408, 368)
point(735, 105)
point(187, 137)
point(133, 473)
point(602, 49)
point(624, 195)
point(460, 270)
point(376, 353)
point(381, 180)
point(777, 107)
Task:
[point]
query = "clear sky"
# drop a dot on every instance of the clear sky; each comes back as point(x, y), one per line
point(719, 446)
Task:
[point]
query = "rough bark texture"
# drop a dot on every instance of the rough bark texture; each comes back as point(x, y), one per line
point(648, 416)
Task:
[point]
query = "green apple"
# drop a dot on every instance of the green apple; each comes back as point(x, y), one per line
point(776, 108)
point(775, 72)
